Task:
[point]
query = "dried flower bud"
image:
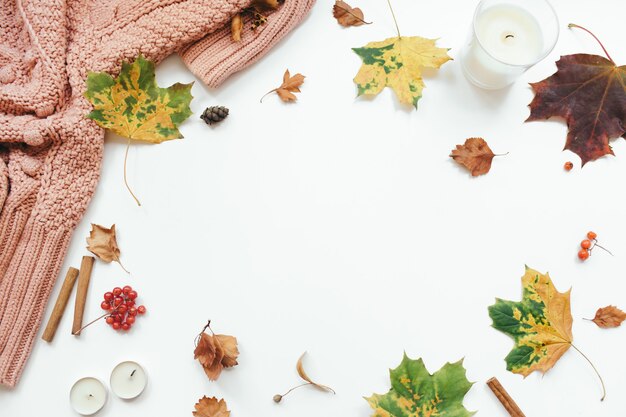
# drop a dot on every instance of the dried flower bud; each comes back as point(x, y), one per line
point(277, 398)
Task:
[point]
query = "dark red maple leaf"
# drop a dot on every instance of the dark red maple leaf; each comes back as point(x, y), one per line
point(589, 92)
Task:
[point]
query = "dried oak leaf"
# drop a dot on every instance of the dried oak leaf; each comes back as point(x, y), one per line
point(609, 316)
point(211, 407)
point(397, 63)
point(475, 155)
point(289, 86)
point(589, 92)
point(346, 15)
point(216, 352)
point(102, 242)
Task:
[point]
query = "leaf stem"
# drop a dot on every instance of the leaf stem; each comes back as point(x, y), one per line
point(500, 154)
point(394, 18)
point(352, 14)
point(596, 371)
point(574, 25)
point(126, 181)
point(266, 94)
point(117, 259)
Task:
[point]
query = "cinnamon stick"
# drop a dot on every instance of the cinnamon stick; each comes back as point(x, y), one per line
point(504, 398)
point(60, 304)
point(81, 293)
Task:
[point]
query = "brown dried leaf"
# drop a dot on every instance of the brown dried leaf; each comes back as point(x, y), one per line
point(609, 316)
point(236, 25)
point(303, 375)
point(211, 407)
point(289, 86)
point(216, 352)
point(475, 155)
point(346, 15)
point(102, 242)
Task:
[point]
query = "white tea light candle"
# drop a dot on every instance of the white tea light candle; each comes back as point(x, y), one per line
point(88, 396)
point(508, 37)
point(128, 380)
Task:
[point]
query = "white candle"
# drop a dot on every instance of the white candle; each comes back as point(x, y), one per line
point(88, 396)
point(508, 37)
point(128, 380)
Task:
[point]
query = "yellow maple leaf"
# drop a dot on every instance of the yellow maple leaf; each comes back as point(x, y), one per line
point(397, 63)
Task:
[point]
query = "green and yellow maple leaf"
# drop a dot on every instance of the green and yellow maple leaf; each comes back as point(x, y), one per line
point(540, 324)
point(134, 106)
point(417, 393)
point(397, 63)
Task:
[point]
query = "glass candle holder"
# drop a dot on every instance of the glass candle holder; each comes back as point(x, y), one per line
point(507, 38)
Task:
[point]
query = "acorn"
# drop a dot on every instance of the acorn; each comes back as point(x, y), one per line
point(214, 114)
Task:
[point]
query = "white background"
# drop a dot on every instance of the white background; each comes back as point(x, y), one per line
point(340, 226)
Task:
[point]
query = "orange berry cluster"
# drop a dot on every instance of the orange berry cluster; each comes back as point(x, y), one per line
point(587, 245)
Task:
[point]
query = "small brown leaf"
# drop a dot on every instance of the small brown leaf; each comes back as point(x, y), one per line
point(475, 155)
point(102, 242)
point(236, 25)
point(211, 407)
point(346, 15)
point(609, 316)
point(216, 352)
point(289, 86)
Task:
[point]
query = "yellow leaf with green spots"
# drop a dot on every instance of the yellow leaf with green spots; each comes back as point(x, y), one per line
point(397, 63)
point(540, 324)
point(417, 393)
point(134, 106)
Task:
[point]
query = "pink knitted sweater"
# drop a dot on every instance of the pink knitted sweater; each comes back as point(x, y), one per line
point(50, 153)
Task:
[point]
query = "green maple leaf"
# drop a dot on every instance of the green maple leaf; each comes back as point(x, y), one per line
point(540, 324)
point(416, 393)
point(397, 63)
point(134, 106)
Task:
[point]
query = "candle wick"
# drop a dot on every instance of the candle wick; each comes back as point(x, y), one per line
point(90, 395)
point(133, 373)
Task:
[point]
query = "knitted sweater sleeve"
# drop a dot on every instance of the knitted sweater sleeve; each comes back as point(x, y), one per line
point(215, 57)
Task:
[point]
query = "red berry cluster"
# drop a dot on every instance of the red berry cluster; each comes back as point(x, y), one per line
point(587, 246)
point(121, 304)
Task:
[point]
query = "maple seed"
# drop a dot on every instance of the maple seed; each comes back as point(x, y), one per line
point(300, 368)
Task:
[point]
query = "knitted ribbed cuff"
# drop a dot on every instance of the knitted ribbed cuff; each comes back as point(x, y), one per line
point(24, 291)
point(216, 56)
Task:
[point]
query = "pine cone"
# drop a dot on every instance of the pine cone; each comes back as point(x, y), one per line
point(214, 114)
